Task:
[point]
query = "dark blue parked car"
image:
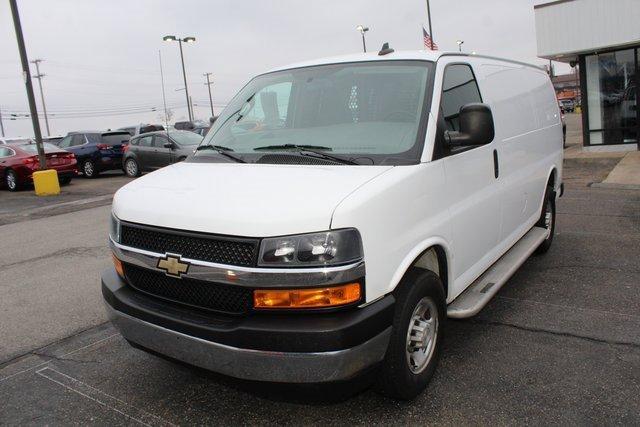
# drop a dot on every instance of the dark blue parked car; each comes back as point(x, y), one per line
point(96, 151)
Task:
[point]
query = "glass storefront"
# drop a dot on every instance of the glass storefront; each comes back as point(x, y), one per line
point(612, 99)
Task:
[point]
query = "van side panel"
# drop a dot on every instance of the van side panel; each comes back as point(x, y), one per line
point(529, 136)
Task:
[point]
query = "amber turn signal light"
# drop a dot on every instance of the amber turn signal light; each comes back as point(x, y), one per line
point(307, 298)
point(118, 265)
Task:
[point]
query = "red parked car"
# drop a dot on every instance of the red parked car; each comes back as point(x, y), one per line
point(19, 161)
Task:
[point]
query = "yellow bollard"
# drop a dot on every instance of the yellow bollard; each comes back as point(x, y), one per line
point(46, 183)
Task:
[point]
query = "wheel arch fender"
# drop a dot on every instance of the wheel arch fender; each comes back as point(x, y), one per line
point(552, 176)
point(425, 255)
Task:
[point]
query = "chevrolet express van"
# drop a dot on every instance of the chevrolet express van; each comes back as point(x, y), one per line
point(336, 214)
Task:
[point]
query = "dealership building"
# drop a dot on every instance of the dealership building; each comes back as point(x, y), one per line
point(602, 37)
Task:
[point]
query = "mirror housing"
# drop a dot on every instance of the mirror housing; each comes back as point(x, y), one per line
point(476, 127)
point(168, 145)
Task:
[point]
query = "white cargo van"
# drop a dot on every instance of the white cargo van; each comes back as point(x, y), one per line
point(336, 214)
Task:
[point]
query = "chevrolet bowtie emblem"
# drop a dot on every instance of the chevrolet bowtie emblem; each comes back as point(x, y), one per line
point(173, 266)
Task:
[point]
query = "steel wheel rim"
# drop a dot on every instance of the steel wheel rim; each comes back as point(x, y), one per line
point(548, 216)
point(11, 181)
point(422, 335)
point(132, 169)
point(88, 168)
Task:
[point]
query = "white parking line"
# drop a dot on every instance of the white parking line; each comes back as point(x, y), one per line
point(101, 398)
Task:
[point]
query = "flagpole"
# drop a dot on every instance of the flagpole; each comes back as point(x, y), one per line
point(430, 29)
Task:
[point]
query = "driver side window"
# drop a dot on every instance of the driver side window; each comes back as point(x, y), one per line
point(459, 88)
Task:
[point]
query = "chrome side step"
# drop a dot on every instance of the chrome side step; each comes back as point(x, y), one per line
point(479, 293)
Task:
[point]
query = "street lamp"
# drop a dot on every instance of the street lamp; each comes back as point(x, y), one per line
point(184, 74)
point(460, 43)
point(363, 30)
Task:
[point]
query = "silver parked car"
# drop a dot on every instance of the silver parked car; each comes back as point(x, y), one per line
point(154, 150)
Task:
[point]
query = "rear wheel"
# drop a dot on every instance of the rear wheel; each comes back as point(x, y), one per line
point(547, 219)
point(65, 180)
point(131, 168)
point(11, 179)
point(89, 169)
point(416, 337)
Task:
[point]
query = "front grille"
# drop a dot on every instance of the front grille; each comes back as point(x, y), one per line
point(211, 248)
point(197, 293)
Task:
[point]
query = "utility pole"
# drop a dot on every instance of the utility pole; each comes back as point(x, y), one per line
point(430, 29)
point(39, 76)
point(164, 99)
point(27, 82)
point(1, 125)
point(209, 83)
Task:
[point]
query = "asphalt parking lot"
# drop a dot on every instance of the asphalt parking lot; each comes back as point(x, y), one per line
point(559, 344)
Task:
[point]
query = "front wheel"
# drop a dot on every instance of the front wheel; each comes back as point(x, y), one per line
point(547, 219)
point(65, 180)
point(416, 337)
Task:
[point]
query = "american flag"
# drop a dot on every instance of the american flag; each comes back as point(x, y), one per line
point(428, 41)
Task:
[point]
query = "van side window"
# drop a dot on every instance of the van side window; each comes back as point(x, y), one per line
point(459, 88)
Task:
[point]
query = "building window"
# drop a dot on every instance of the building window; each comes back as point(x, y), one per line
point(612, 97)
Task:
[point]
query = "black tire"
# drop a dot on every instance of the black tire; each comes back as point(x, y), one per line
point(547, 219)
point(89, 169)
point(65, 180)
point(11, 180)
point(131, 168)
point(399, 377)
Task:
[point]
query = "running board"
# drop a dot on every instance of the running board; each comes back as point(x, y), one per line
point(479, 293)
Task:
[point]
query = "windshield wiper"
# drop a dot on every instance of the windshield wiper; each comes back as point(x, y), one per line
point(221, 150)
point(289, 146)
point(304, 150)
point(214, 147)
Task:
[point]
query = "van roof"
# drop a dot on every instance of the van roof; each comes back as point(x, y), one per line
point(422, 55)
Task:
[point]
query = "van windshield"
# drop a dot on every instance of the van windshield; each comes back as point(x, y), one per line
point(370, 112)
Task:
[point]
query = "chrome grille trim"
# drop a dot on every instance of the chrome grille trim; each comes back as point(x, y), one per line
point(247, 276)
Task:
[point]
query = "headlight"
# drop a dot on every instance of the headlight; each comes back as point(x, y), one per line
point(314, 249)
point(114, 229)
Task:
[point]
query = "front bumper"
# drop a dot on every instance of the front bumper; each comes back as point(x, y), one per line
point(275, 347)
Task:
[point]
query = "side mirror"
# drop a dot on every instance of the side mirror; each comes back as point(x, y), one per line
point(168, 145)
point(476, 126)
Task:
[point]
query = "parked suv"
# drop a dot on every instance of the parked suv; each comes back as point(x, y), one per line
point(336, 214)
point(96, 151)
point(155, 150)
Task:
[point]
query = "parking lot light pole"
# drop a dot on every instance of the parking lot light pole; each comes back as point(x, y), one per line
point(363, 30)
point(184, 73)
point(27, 82)
point(459, 43)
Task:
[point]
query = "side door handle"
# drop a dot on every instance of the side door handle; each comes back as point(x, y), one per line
point(496, 168)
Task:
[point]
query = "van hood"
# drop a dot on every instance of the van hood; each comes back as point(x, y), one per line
point(252, 200)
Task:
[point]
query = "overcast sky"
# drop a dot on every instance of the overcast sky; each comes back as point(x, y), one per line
point(101, 57)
